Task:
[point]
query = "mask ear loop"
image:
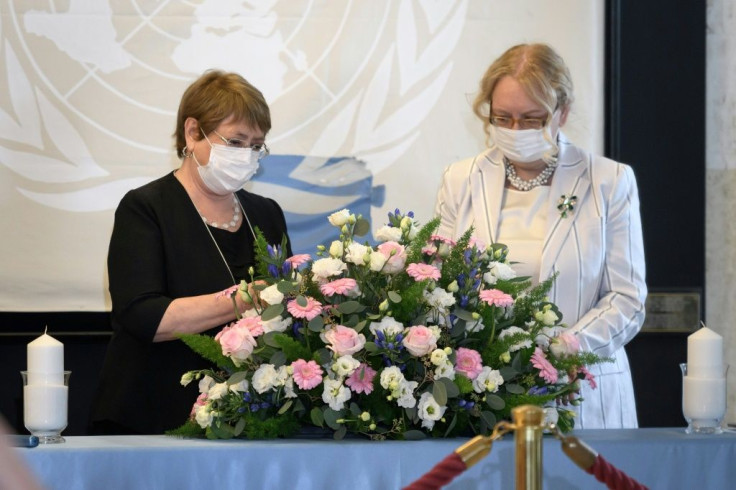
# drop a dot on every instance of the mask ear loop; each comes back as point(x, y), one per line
point(551, 156)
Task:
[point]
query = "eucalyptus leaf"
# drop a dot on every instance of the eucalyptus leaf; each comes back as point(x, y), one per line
point(507, 372)
point(360, 325)
point(339, 434)
point(349, 307)
point(489, 418)
point(278, 358)
point(414, 435)
point(239, 426)
point(439, 392)
point(394, 297)
point(316, 324)
point(301, 301)
point(370, 347)
point(237, 377)
point(317, 417)
point(331, 417)
point(450, 387)
point(286, 287)
point(453, 422)
point(362, 227)
point(272, 312)
point(515, 389)
point(516, 362)
point(269, 339)
point(495, 402)
point(285, 407)
point(464, 315)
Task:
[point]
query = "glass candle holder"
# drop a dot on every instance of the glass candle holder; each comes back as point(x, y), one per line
point(703, 402)
point(45, 402)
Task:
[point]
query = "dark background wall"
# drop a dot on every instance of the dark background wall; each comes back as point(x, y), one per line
point(655, 121)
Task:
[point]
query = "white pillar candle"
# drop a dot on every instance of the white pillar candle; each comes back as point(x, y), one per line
point(45, 357)
point(705, 354)
point(705, 398)
point(45, 408)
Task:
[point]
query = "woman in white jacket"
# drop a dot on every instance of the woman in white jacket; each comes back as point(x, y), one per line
point(560, 210)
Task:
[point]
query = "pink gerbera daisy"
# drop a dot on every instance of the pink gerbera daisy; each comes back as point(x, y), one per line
point(338, 286)
point(588, 377)
point(495, 297)
point(308, 311)
point(227, 292)
point(361, 381)
point(298, 259)
point(420, 272)
point(442, 239)
point(546, 370)
point(307, 375)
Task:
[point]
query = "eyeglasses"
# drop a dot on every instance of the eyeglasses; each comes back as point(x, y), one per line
point(523, 123)
point(261, 148)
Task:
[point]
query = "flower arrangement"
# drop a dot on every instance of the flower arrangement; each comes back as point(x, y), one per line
point(419, 335)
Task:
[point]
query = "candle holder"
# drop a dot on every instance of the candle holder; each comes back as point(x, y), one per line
point(703, 402)
point(45, 402)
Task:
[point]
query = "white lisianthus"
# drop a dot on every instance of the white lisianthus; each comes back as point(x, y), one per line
point(335, 393)
point(377, 262)
point(405, 394)
point(519, 345)
point(339, 218)
point(387, 325)
point(289, 388)
point(439, 298)
point(271, 295)
point(240, 386)
point(546, 316)
point(282, 374)
point(388, 234)
point(498, 270)
point(474, 326)
point(446, 370)
point(327, 267)
point(488, 380)
point(413, 231)
point(336, 249)
point(438, 357)
point(391, 378)
point(187, 378)
point(204, 416)
point(356, 253)
point(205, 384)
point(429, 411)
point(276, 324)
point(217, 391)
point(264, 378)
point(345, 365)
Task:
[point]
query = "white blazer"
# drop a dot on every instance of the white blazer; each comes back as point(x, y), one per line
point(597, 250)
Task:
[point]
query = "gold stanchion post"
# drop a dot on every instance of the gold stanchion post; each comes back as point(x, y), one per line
point(528, 421)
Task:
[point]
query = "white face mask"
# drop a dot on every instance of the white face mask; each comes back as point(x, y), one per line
point(528, 145)
point(228, 169)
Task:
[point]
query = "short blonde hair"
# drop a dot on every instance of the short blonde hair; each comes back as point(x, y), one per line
point(540, 71)
point(215, 97)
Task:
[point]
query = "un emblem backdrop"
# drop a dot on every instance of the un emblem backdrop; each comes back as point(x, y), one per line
point(370, 101)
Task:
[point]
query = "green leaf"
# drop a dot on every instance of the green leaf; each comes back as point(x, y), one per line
point(285, 407)
point(278, 359)
point(451, 388)
point(349, 307)
point(394, 297)
point(439, 392)
point(370, 347)
point(270, 339)
point(222, 430)
point(316, 324)
point(362, 227)
point(452, 425)
point(515, 389)
point(414, 435)
point(464, 315)
point(286, 287)
point(331, 417)
point(239, 426)
point(272, 312)
point(360, 325)
point(339, 434)
point(507, 372)
point(301, 301)
point(317, 417)
point(488, 418)
point(495, 402)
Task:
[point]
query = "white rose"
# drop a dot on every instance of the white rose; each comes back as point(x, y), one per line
point(356, 253)
point(264, 378)
point(272, 295)
point(327, 267)
point(217, 391)
point(339, 218)
point(336, 249)
point(378, 260)
point(388, 234)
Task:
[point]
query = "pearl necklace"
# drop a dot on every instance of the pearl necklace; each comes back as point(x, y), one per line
point(526, 185)
point(233, 222)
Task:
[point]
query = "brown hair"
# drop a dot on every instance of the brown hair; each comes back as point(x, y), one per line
point(538, 68)
point(215, 97)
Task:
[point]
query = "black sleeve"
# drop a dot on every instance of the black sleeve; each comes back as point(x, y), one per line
point(136, 268)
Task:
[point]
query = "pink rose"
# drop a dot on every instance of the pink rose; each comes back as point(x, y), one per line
point(236, 341)
point(252, 323)
point(201, 401)
point(420, 341)
point(307, 375)
point(468, 362)
point(395, 257)
point(565, 344)
point(344, 340)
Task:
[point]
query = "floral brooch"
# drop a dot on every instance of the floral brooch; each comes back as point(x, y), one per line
point(566, 205)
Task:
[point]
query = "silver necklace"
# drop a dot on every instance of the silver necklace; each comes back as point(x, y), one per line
point(526, 185)
point(233, 222)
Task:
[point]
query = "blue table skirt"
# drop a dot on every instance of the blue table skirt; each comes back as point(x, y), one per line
point(658, 458)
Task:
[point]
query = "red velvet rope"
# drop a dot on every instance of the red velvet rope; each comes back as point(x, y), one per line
point(614, 478)
point(442, 474)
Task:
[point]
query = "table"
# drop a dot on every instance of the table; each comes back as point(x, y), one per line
point(659, 458)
